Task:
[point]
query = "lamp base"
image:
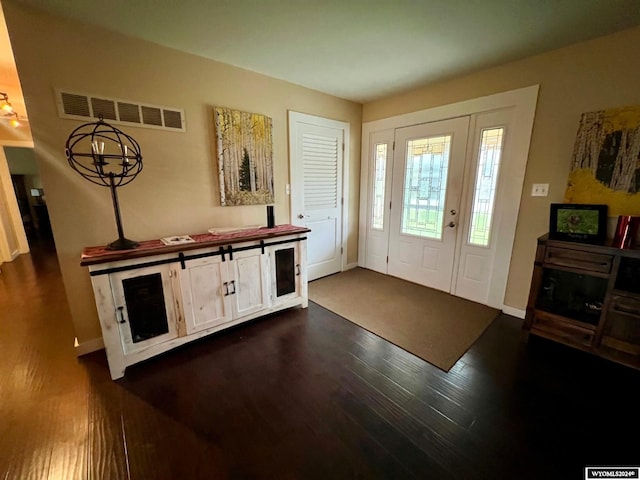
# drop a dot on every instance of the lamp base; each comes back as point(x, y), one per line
point(122, 244)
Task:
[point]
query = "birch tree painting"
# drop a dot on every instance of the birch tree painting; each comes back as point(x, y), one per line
point(606, 161)
point(245, 157)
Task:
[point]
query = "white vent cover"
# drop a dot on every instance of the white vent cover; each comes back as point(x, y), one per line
point(82, 106)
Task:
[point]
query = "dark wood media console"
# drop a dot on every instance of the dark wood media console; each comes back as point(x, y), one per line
point(587, 297)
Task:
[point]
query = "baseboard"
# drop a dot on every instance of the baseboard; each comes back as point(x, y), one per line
point(350, 266)
point(89, 346)
point(516, 312)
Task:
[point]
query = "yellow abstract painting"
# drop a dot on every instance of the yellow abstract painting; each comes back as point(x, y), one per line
point(606, 161)
point(245, 157)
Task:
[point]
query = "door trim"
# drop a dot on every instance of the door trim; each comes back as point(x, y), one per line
point(6, 190)
point(524, 101)
point(298, 117)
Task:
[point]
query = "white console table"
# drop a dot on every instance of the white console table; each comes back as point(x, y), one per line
point(156, 297)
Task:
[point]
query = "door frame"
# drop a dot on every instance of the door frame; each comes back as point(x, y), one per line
point(523, 101)
point(298, 117)
point(7, 192)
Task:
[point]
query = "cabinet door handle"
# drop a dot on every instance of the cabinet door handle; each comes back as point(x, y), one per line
point(226, 289)
point(122, 320)
point(233, 284)
point(297, 269)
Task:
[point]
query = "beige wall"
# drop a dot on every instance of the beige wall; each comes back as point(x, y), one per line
point(589, 76)
point(177, 191)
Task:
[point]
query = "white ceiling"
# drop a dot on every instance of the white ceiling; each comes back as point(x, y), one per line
point(360, 50)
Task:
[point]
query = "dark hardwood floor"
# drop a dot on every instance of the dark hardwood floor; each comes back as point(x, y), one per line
point(302, 394)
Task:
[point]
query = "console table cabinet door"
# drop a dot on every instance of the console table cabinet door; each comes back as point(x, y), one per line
point(285, 270)
point(248, 282)
point(205, 293)
point(144, 307)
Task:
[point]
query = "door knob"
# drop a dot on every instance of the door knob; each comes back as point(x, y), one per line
point(451, 224)
point(302, 216)
point(453, 212)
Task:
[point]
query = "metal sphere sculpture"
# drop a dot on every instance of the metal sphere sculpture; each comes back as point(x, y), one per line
point(107, 157)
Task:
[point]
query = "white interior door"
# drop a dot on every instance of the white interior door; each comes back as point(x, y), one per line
point(316, 162)
point(428, 170)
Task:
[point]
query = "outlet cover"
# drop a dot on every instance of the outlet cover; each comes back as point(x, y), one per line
point(540, 190)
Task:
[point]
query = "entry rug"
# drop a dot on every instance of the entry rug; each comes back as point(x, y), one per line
point(434, 325)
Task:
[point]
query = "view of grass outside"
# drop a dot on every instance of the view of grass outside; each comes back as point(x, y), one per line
point(422, 221)
point(479, 231)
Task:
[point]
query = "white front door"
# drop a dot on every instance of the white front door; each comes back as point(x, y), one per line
point(484, 225)
point(316, 148)
point(427, 187)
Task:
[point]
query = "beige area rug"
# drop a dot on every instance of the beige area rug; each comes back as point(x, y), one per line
point(431, 324)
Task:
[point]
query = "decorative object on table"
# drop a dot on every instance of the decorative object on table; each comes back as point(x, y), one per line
point(220, 230)
point(271, 220)
point(626, 231)
point(177, 240)
point(245, 157)
point(107, 157)
point(586, 223)
point(605, 161)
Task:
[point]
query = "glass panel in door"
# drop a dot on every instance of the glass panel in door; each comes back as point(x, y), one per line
point(484, 192)
point(425, 186)
point(146, 309)
point(379, 184)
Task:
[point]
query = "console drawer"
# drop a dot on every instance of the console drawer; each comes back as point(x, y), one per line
point(548, 324)
point(564, 257)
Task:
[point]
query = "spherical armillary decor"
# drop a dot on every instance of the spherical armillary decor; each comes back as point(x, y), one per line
point(108, 157)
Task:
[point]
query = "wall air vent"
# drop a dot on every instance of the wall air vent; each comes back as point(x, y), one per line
point(80, 106)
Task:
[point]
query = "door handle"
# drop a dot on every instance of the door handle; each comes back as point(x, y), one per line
point(451, 224)
point(122, 320)
point(301, 216)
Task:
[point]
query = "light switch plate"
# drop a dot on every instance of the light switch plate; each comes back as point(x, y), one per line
point(540, 190)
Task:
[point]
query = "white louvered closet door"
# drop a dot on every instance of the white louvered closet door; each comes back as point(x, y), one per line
point(316, 189)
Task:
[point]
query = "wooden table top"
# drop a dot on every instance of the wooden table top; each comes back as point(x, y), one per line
point(101, 254)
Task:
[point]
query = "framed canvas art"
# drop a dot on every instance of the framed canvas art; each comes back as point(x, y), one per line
point(244, 148)
point(606, 161)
